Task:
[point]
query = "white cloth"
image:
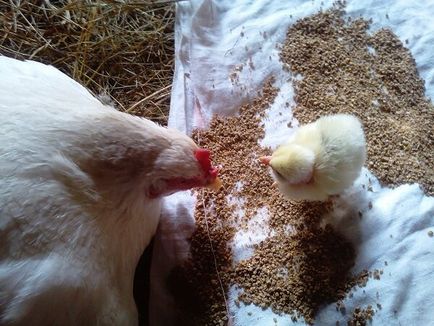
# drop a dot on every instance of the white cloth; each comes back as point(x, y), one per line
point(212, 38)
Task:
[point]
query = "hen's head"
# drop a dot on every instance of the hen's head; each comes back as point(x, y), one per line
point(134, 155)
point(181, 166)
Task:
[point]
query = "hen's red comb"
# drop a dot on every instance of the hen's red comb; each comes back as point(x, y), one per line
point(203, 157)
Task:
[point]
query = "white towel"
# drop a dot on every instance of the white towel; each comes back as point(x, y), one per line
point(214, 37)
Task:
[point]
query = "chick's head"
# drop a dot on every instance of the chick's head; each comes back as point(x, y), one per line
point(293, 164)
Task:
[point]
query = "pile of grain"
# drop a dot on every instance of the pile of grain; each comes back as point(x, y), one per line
point(291, 273)
point(345, 69)
point(233, 142)
point(298, 273)
point(302, 266)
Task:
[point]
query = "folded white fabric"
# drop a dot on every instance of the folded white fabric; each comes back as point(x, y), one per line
point(212, 39)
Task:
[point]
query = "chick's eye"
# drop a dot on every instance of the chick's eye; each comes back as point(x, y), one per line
point(278, 174)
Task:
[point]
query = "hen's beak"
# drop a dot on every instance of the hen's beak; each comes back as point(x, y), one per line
point(265, 160)
point(215, 185)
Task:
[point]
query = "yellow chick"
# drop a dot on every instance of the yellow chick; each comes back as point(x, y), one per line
point(322, 158)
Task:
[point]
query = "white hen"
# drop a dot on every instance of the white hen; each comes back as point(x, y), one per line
point(79, 198)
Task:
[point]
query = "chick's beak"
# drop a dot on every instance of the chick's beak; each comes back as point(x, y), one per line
point(265, 160)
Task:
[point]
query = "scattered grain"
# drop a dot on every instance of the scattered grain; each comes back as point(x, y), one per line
point(347, 70)
point(361, 316)
point(344, 69)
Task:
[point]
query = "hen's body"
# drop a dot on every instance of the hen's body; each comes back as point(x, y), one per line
point(75, 214)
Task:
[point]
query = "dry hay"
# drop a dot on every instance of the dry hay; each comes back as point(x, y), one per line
point(301, 265)
point(123, 49)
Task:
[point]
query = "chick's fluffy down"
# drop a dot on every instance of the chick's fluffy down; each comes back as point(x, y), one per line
point(337, 145)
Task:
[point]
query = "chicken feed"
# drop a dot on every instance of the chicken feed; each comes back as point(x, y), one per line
point(300, 265)
point(360, 316)
point(373, 76)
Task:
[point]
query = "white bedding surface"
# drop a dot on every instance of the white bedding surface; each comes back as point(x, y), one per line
point(209, 46)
